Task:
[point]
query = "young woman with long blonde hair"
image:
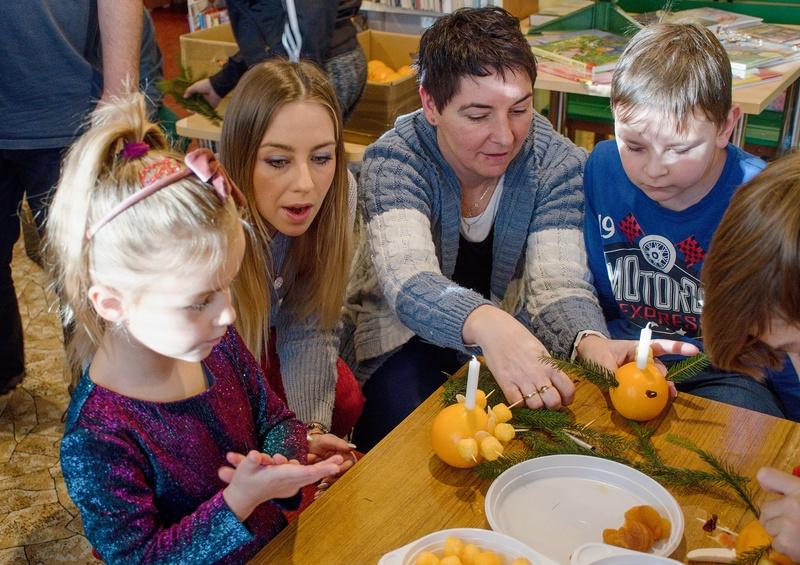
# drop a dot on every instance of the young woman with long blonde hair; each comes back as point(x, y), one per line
point(282, 144)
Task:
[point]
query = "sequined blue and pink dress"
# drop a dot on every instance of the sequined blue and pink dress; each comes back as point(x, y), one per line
point(144, 474)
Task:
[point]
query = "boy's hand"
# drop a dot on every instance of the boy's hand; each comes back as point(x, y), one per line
point(613, 353)
point(252, 482)
point(781, 516)
point(513, 355)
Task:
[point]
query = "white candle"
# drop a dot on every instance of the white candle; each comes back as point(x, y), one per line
point(643, 349)
point(472, 382)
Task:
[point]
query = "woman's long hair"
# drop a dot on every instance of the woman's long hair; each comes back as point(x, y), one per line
point(321, 256)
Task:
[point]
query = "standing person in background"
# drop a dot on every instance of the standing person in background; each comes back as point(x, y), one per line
point(751, 319)
point(282, 144)
point(320, 31)
point(52, 84)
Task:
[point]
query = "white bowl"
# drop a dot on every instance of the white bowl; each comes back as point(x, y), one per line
point(602, 554)
point(501, 544)
point(558, 503)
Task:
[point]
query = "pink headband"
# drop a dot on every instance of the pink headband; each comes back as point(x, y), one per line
point(200, 162)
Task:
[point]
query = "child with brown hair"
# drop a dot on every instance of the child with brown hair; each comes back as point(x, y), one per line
point(752, 311)
point(656, 193)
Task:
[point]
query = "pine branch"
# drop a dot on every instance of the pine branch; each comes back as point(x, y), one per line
point(583, 369)
point(644, 443)
point(678, 477)
point(723, 471)
point(540, 419)
point(195, 103)
point(493, 469)
point(603, 442)
point(688, 368)
point(753, 556)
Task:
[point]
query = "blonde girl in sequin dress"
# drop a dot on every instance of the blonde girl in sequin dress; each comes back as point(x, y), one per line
point(175, 449)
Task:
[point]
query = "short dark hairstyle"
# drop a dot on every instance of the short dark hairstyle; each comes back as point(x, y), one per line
point(471, 41)
point(674, 69)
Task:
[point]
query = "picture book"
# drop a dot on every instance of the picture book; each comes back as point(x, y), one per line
point(589, 51)
point(746, 56)
point(771, 33)
point(756, 77)
point(713, 18)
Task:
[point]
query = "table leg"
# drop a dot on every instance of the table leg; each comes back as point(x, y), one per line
point(788, 138)
point(737, 137)
point(558, 110)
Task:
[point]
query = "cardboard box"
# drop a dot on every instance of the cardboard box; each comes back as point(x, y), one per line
point(521, 8)
point(206, 50)
point(382, 103)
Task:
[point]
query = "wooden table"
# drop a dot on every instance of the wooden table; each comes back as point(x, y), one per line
point(751, 99)
point(401, 491)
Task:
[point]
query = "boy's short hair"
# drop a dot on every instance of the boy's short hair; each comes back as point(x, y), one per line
point(675, 69)
point(750, 276)
point(471, 42)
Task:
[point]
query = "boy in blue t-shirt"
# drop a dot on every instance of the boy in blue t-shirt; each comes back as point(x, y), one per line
point(655, 194)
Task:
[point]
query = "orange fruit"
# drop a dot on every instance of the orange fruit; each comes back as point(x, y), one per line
point(754, 535)
point(642, 394)
point(406, 70)
point(450, 426)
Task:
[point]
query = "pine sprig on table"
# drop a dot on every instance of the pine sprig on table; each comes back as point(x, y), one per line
point(195, 103)
point(493, 469)
point(540, 419)
point(644, 443)
point(724, 472)
point(583, 369)
point(688, 368)
point(753, 556)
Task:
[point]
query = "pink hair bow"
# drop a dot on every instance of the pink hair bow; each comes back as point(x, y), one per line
point(155, 176)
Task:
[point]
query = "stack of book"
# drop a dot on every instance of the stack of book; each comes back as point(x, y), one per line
point(717, 20)
point(752, 45)
point(204, 14)
point(587, 55)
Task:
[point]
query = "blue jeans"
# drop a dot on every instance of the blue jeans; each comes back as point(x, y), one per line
point(731, 388)
point(31, 173)
point(399, 385)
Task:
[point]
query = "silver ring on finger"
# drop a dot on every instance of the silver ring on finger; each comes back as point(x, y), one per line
point(543, 389)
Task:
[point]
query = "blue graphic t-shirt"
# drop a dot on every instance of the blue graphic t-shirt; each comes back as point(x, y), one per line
point(646, 259)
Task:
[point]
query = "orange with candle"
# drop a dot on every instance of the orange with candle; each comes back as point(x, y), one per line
point(642, 392)
point(464, 434)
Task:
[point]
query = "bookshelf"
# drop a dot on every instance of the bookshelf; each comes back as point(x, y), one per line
point(413, 16)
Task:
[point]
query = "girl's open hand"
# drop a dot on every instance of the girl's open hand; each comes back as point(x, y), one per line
point(257, 479)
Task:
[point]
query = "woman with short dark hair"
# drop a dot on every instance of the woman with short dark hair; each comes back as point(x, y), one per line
point(473, 208)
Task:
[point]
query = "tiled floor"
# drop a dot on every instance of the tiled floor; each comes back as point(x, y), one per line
point(38, 522)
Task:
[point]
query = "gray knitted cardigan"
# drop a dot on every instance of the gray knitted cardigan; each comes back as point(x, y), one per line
point(307, 353)
point(409, 198)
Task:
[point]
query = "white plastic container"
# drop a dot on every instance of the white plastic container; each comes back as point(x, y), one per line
point(501, 544)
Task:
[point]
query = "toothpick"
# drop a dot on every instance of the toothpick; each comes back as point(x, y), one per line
point(579, 441)
point(491, 392)
point(517, 402)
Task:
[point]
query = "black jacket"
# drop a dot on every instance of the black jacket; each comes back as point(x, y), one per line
point(258, 26)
